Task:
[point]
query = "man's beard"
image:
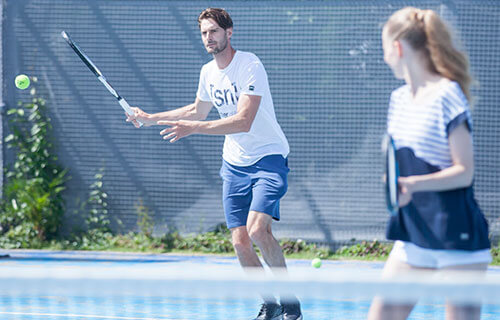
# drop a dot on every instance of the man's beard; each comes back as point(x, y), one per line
point(220, 48)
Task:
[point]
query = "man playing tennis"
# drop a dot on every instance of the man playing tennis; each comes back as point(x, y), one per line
point(254, 168)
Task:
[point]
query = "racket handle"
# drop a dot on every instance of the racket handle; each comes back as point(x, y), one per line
point(127, 109)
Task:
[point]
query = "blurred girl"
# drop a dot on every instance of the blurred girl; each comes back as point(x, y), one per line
point(439, 225)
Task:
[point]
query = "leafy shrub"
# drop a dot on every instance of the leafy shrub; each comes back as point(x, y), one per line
point(366, 249)
point(300, 246)
point(144, 220)
point(32, 206)
point(217, 241)
point(495, 253)
point(97, 233)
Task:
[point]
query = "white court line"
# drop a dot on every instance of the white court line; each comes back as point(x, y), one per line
point(77, 315)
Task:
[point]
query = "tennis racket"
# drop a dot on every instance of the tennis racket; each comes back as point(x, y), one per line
point(123, 103)
point(391, 175)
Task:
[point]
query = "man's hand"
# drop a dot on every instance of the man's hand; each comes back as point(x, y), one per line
point(139, 115)
point(178, 129)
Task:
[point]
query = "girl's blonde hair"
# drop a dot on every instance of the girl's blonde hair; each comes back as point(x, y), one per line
point(424, 30)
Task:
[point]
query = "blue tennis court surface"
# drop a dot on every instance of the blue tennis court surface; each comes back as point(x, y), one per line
point(92, 304)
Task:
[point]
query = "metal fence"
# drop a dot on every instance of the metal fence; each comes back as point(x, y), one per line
point(329, 84)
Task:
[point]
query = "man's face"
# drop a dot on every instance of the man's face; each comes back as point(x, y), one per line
point(214, 37)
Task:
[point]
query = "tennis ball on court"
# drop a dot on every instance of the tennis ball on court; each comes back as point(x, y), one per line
point(22, 81)
point(316, 262)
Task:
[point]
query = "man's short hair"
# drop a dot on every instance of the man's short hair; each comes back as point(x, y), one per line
point(218, 15)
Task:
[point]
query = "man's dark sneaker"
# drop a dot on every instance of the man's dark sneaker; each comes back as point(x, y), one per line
point(291, 311)
point(270, 311)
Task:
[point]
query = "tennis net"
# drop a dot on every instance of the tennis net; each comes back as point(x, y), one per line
point(224, 291)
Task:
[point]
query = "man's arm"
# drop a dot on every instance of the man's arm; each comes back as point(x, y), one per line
point(198, 110)
point(247, 108)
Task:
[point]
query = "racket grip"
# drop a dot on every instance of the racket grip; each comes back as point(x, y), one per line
point(127, 109)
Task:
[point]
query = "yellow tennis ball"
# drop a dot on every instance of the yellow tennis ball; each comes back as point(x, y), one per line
point(316, 262)
point(22, 81)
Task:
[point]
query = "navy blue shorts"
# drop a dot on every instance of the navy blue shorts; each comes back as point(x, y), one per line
point(258, 187)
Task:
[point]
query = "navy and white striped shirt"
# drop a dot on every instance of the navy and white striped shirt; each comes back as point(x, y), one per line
point(436, 220)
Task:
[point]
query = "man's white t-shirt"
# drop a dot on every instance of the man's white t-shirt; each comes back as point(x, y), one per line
point(223, 87)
